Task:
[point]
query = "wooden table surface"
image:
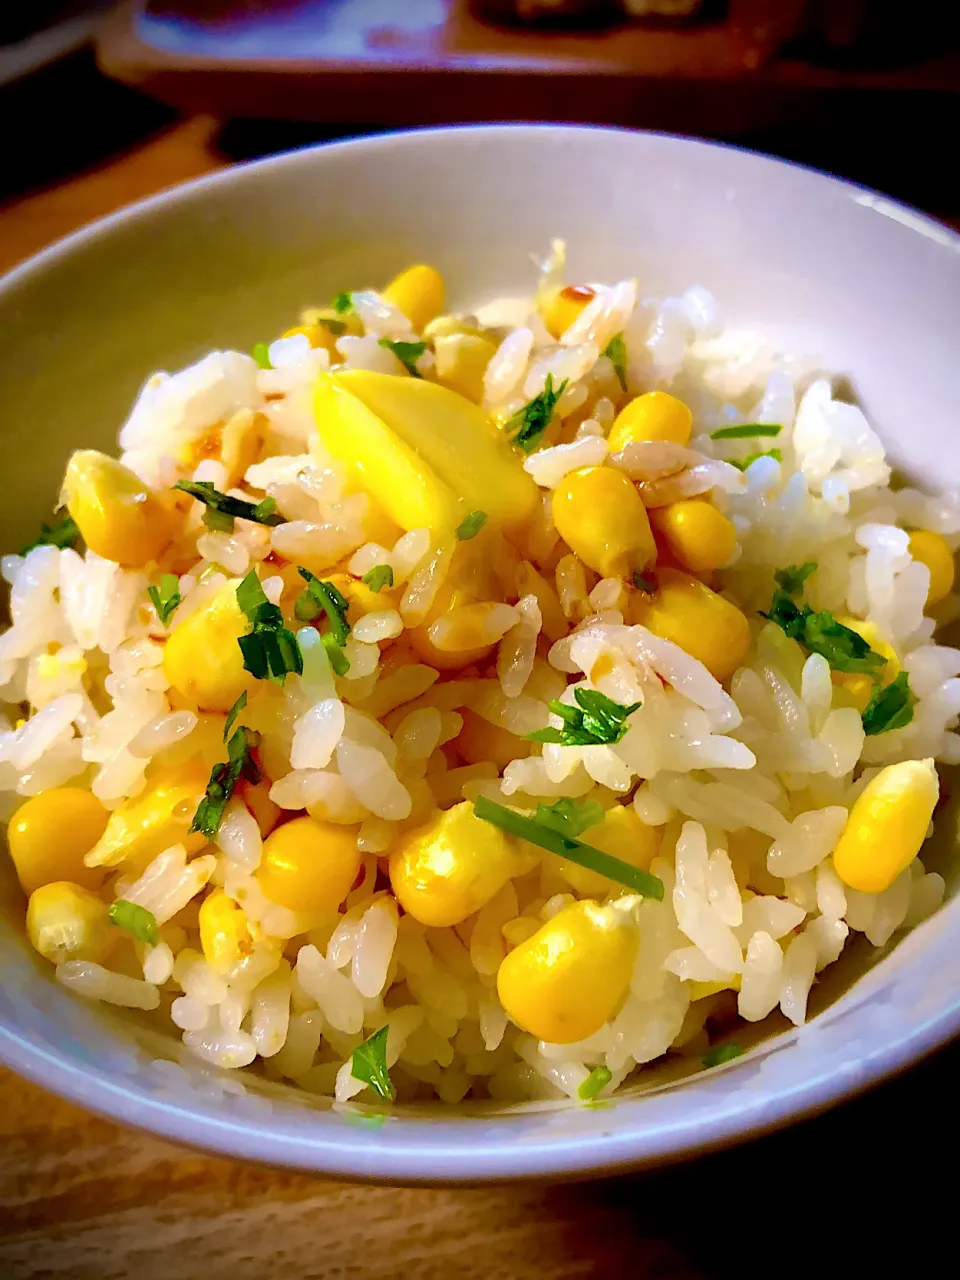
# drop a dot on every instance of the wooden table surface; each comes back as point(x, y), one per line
point(81, 1198)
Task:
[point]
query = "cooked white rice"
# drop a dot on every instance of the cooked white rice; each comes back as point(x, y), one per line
point(748, 786)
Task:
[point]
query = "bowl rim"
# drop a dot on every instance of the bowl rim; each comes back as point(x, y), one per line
point(350, 1152)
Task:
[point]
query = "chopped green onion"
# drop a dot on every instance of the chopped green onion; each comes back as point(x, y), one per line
point(644, 584)
point(369, 1063)
point(471, 525)
point(338, 659)
point(743, 463)
point(232, 714)
point(595, 1083)
point(336, 327)
point(720, 1054)
point(222, 510)
point(408, 353)
point(270, 651)
point(595, 721)
point(166, 597)
point(747, 431)
point(333, 603)
point(570, 817)
point(616, 353)
point(890, 707)
point(223, 780)
point(792, 578)
point(305, 608)
point(261, 353)
point(62, 534)
point(343, 304)
point(380, 576)
point(584, 855)
point(135, 920)
point(529, 423)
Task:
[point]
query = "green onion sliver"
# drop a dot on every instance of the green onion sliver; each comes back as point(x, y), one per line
point(516, 824)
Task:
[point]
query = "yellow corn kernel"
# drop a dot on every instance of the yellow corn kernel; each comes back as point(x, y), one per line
point(380, 463)
point(530, 582)
point(242, 444)
point(695, 533)
point(143, 827)
point(560, 309)
point(652, 416)
point(702, 623)
point(319, 335)
point(418, 292)
point(855, 689)
point(852, 689)
point(49, 835)
point(309, 865)
point(568, 979)
point(601, 518)
point(479, 741)
point(450, 868)
point(930, 549)
point(118, 516)
point(472, 626)
point(68, 922)
point(887, 825)
point(461, 362)
point(453, 437)
point(202, 658)
point(622, 834)
point(257, 799)
point(224, 936)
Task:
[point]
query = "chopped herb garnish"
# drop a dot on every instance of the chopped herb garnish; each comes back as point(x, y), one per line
point(166, 597)
point(222, 510)
point(747, 431)
point(595, 1083)
point(135, 920)
point(743, 463)
point(595, 721)
point(794, 576)
point(584, 855)
point(232, 714)
point(890, 707)
point(820, 632)
point(570, 817)
point(62, 534)
point(644, 584)
point(261, 353)
point(616, 353)
point(529, 423)
point(408, 353)
point(720, 1054)
point(338, 659)
point(471, 525)
point(343, 304)
point(223, 780)
point(369, 1063)
point(380, 576)
point(336, 327)
point(333, 603)
point(843, 648)
point(270, 651)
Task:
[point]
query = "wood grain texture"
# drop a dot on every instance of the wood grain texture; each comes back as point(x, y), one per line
point(84, 1200)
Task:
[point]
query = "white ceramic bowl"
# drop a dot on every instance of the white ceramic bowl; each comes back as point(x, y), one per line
point(871, 286)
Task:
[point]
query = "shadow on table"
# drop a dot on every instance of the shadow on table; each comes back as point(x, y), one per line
point(830, 1197)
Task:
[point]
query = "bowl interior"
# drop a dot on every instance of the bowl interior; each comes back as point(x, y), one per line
point(870, 288)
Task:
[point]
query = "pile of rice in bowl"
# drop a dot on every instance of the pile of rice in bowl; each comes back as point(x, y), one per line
point(450, 705)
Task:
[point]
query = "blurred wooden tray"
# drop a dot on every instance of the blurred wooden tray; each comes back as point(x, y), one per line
point(413, 62)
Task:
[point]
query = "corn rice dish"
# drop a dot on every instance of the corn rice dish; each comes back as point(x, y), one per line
point(440, 705)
